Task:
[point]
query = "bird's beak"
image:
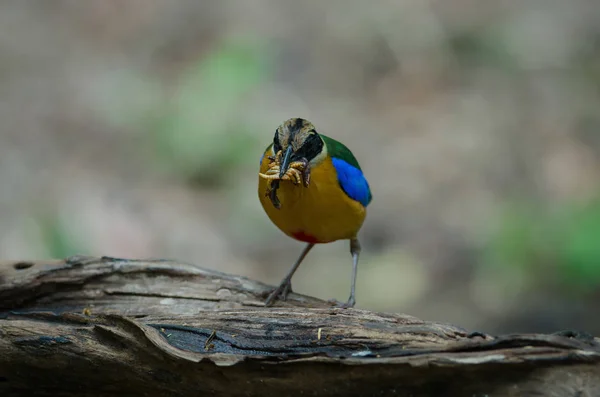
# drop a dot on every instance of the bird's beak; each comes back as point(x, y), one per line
point(285, 163)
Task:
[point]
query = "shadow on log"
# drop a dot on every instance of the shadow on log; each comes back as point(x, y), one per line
point(105, 326)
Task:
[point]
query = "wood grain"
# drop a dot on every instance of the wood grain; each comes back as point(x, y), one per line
point(107, 326)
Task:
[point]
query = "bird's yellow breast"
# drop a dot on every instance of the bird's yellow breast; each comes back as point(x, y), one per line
point(319, 213)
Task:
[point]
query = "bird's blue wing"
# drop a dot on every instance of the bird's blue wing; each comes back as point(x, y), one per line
point(352, 181)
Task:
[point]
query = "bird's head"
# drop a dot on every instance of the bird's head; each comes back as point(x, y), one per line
point(298, 139)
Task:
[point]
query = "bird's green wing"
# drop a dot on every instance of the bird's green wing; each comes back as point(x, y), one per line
point(338, 150)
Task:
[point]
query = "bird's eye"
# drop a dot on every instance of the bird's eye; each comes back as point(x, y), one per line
point(276, 143)
point(311, 147)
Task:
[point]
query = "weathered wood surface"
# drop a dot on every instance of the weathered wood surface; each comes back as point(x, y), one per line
point(106, 326)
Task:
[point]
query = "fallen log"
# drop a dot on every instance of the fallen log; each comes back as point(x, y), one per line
point(88, 326)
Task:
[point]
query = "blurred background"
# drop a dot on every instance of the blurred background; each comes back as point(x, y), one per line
point(134, 129)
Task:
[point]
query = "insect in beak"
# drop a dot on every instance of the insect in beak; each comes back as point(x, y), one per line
point(273, 194)
point(282, 168)
point(285, 162)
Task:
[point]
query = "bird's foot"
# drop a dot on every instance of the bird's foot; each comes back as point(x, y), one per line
point(342, 305)
point(286, 291)
point(281, 292)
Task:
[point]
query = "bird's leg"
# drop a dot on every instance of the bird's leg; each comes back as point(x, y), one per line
point(286, 291)
point(286, 283)
point(355, 251)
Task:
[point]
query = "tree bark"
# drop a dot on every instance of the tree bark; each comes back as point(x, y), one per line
point(105, 326)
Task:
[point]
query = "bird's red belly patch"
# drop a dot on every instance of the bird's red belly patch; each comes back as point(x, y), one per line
point(307, 238)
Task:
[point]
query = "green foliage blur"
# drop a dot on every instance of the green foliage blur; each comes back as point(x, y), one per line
point(557, 249)
point(198, 133)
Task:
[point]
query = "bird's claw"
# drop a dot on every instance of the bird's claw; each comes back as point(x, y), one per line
point(342, 305)
point(281, 292)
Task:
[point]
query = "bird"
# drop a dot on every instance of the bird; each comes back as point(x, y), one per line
point(314, 190)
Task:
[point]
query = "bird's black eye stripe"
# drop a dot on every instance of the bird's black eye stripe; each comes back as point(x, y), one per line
point(312, 146)
point(276, 143)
